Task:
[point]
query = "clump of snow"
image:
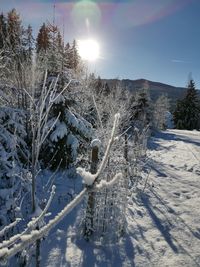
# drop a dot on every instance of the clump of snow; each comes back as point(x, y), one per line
point(96, 143)
point(59, 132)
point(87, 176)
point(105, 184)
point(82, 126)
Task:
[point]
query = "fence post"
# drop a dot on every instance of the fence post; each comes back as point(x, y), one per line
point(126, 155)
point(90, 204)
point(37, 254)
point(126, 148)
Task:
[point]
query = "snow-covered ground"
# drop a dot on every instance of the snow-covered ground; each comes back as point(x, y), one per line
point(163, 222)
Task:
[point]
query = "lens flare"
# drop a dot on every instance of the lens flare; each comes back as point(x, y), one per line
point(86, 11)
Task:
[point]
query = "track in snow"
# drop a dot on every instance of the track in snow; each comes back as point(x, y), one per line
point(168, 222)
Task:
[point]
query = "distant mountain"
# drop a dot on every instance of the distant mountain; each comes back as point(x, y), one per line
point(155, 88)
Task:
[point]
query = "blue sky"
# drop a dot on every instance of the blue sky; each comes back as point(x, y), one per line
point(154, 39)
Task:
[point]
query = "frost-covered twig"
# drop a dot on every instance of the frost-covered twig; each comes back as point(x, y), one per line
point(49, 130)
point(6, 228)
point(55, 98)
point(40, 111)
point(38, 234)
point(117, 137)
point(35, 221)
point(97, 110)
point(51, 178)
point(110, 142)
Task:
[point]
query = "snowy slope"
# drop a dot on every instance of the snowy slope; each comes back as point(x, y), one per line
point(163, 222)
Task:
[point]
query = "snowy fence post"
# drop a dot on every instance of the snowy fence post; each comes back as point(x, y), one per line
point(37, 251)
point(126, 177)
point(126, 161)
point(126, 147)
point(126, 153)
point(94, 159)
point(90, 204)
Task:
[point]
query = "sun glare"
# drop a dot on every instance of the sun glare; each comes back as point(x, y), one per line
point(88, 49)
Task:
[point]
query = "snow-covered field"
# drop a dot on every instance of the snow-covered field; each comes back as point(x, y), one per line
point(163, 222)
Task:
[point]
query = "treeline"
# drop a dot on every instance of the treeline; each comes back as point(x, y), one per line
point(18, 45)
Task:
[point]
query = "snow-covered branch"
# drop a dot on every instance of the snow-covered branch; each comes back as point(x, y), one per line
point(31, 225)
point(28, 239)
point(5, 229)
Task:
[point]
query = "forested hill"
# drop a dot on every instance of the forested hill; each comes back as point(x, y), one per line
point(156, 88)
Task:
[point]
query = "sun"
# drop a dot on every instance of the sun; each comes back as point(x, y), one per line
point(88, 49)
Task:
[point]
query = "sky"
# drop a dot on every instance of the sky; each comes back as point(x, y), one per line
point(158, 40)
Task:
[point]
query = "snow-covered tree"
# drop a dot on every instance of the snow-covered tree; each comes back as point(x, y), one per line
point(141, 109)
point(3, 30)
point(161, 107)
point(13, 148)
point(187, 112)
point(69, 132)
point(28, 43)
point(43, 39)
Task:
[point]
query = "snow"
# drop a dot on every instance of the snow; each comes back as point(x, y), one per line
point(162, 222)
point(96, 143)
point(6, 228)
point(110, 183)
point(73, 142)
point(38, 234)
point(88, 178)
point(79, 124)
point(59, 132)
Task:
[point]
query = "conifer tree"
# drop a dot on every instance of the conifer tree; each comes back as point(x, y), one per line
point(28, 43)
point(14, 30)
point(3, 31)
point(74, 56)
point(43, 39)
point(66, 58)
point(12, 135)
point(160, 110)
point(187, 112)
point(62, 145)
point(141, 109)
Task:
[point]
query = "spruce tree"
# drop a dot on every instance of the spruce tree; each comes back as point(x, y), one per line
point(66, 58)
point(141, 109)
point(12, 136)
point(161, 107)
point(43, 39)
point(187, 112)
point(3, 31)
point(28, 43)
point(14, 30)
point(74, 56)
point(70, 131)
